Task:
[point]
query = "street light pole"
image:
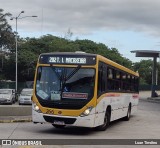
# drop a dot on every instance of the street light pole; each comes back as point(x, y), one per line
point(16, 56)
point(16, 39)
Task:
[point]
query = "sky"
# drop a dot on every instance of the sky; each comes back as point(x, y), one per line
point(124, 24)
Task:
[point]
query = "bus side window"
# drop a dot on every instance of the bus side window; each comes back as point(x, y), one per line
point(110, 74)
point(102, 78)
point(124, 86)
point(118, 81)
point(132, 83)
point(136, 88)
point(110, 85)
point(129, 82)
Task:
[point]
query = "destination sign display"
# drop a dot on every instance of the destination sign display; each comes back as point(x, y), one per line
point(66, 60)
point(55, 59)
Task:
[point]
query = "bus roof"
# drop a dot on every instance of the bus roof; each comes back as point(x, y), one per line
point(102, 58)
point(69, 53)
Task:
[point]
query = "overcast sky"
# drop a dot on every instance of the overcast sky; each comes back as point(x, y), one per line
point(124, 24)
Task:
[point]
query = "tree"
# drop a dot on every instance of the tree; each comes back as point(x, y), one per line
point(6, 34)
point(68, 34)
point(144, 67)
point(101, 49)
point(30, 48)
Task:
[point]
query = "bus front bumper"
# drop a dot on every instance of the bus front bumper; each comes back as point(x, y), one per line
point(85, 121)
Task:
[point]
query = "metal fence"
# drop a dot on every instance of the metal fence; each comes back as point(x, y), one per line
point(148, 87)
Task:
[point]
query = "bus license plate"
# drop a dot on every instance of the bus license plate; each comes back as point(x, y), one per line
point(59, 122)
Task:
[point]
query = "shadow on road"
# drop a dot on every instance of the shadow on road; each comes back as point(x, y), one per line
point(70, 130)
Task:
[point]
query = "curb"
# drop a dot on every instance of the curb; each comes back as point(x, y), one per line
point(15, 111)
point(150, 100)
point(15, 119)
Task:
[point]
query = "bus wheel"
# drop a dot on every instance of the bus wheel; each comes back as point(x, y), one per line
point(105, 125)
point(58, 126)
point(126, 118)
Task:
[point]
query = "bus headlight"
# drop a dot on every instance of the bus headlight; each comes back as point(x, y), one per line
point(87, 111)
point(36, 108)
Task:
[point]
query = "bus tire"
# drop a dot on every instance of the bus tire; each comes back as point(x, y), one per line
point(58, 126)
point(126, 118)
point(105, 125)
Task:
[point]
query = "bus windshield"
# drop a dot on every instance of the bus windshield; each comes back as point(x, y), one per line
point(65, 83)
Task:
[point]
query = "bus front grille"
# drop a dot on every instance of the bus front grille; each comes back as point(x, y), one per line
point(65, 120)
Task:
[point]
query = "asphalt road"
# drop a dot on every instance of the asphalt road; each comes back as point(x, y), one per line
point(143, 125)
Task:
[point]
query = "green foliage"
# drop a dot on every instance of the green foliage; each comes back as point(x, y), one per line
point(26, 65)
point(142, 81)
point(30, 48)
point(144, 67)
point(101, 49)
point(6, 34)
point(8, 71)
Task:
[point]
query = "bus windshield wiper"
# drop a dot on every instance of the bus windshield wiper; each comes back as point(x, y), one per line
point(63, 77)
point(73, 72)
point(66, 78)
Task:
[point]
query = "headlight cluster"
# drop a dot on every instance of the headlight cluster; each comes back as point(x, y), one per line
point(36, 108)
point(87, 111)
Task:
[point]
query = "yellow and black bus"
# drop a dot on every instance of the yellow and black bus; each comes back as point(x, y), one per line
point(82, 89)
